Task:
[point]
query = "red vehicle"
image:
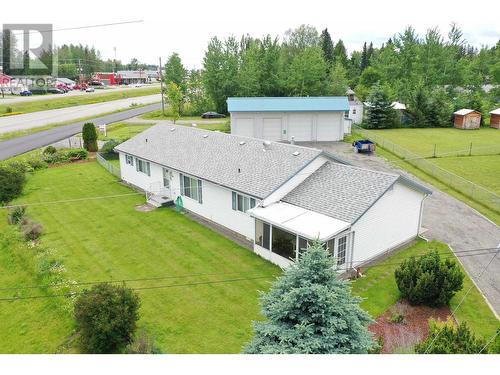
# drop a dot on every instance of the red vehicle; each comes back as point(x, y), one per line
point(81, 86)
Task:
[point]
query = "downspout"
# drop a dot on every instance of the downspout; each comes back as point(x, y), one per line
point(421, 214)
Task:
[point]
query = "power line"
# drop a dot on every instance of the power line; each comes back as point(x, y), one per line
point(138, 288)
point(43, 286)
point(152, 278)
point(489, 341)
point(80, 27)
point(463, 298)
point(70, 200)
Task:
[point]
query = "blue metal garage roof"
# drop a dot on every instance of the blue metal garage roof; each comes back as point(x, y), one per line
point(288, 104)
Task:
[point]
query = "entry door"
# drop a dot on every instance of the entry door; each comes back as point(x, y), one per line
point(272, 129)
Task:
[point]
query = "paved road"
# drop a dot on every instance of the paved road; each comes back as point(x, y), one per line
point(447, 219)
point(43, 118)
point(20, 145)
point(9, 99)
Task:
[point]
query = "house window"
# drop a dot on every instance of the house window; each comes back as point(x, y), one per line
point(142, 166)
point(242, 202)
point(284, 243)
point(330, 245)
point(262, 234)
point(341, 250)
point(166, 178)
point(129, 159)
point(354, 111)
point(191, 187)
point(303, 244)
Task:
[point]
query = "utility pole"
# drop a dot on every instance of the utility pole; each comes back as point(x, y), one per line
point(161, 88)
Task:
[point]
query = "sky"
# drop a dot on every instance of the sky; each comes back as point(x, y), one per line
point(186, 26)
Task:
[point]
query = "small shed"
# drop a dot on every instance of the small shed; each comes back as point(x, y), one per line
point(495, 118)
point(467, 119)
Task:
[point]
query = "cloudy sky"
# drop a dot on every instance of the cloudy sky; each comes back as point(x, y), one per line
point(186, 26)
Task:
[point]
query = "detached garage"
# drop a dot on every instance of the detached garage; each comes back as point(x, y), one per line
point(283, 119)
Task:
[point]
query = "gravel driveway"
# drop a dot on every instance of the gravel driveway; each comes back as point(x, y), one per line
point(447, 219)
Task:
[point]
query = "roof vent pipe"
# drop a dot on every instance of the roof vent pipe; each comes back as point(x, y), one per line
point(292, 141)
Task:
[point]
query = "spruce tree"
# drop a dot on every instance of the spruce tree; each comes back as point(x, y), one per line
point(380, 112)
point(309, 310)
point(364, 58)
point(327, 46)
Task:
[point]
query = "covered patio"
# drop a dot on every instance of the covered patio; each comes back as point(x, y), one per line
point(283, 231)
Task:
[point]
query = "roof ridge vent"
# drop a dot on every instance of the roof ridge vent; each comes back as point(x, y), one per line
point(205, 135)
point(242, 143)
point(172, 129)
point(296, 153)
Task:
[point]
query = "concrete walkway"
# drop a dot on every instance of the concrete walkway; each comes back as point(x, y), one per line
point(447, 220)
point(43, 118)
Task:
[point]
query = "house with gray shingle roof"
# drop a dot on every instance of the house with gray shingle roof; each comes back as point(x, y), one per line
point(278, 196)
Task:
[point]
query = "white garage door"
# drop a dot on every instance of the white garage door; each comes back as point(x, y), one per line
point(329, 127)
point(300, 127)
point(272, 129)
point(243, 126)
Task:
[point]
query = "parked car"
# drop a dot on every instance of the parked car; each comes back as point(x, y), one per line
point(212, 115)
point(96, 83)
point(54, 90)
point(89, 89)
point(26, 93)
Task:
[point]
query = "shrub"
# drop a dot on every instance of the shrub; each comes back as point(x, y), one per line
point(429, 281)
point(89, 135)
point(19, 165)
point(77, 154)
point(378, 346)
point(12, 181)
point(108, 148)
point(55, 158)
point(49, 150)
point(397, 318)
point(448, 339)
point(37, 163)
point(8, 110)
point(106, 318)
point(16, 215)
point(142, 344)
point(31, 229)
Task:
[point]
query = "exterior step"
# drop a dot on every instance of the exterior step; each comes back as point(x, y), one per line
point(159, 201)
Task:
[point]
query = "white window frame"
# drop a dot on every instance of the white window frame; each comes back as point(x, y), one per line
point(198, 188)
point(246, 201)
point(143, 166)
point(129, 160)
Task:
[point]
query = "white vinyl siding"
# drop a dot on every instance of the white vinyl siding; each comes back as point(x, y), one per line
point(390, 222)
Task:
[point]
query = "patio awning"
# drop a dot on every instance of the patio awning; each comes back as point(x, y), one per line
point(305, 223)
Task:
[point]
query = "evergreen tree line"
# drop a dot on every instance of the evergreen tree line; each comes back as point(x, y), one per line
point(432, 74)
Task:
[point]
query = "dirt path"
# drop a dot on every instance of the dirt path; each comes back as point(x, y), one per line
point(447, 219)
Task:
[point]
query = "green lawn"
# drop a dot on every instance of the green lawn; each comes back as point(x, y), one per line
point(123, 130)
point(70, 101)
point(422, 141)
point(158, 115)
point(380, 291)
point(482, 170)
point(108, 239)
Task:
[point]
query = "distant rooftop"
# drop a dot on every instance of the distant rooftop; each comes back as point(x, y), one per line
point(288, 104)
point(463, 112)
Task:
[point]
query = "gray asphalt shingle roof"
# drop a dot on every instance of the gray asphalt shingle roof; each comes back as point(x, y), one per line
point(220, 158)
point(340, 191)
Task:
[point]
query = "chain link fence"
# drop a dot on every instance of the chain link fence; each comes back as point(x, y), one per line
point(109, 166)
point(456, 182)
